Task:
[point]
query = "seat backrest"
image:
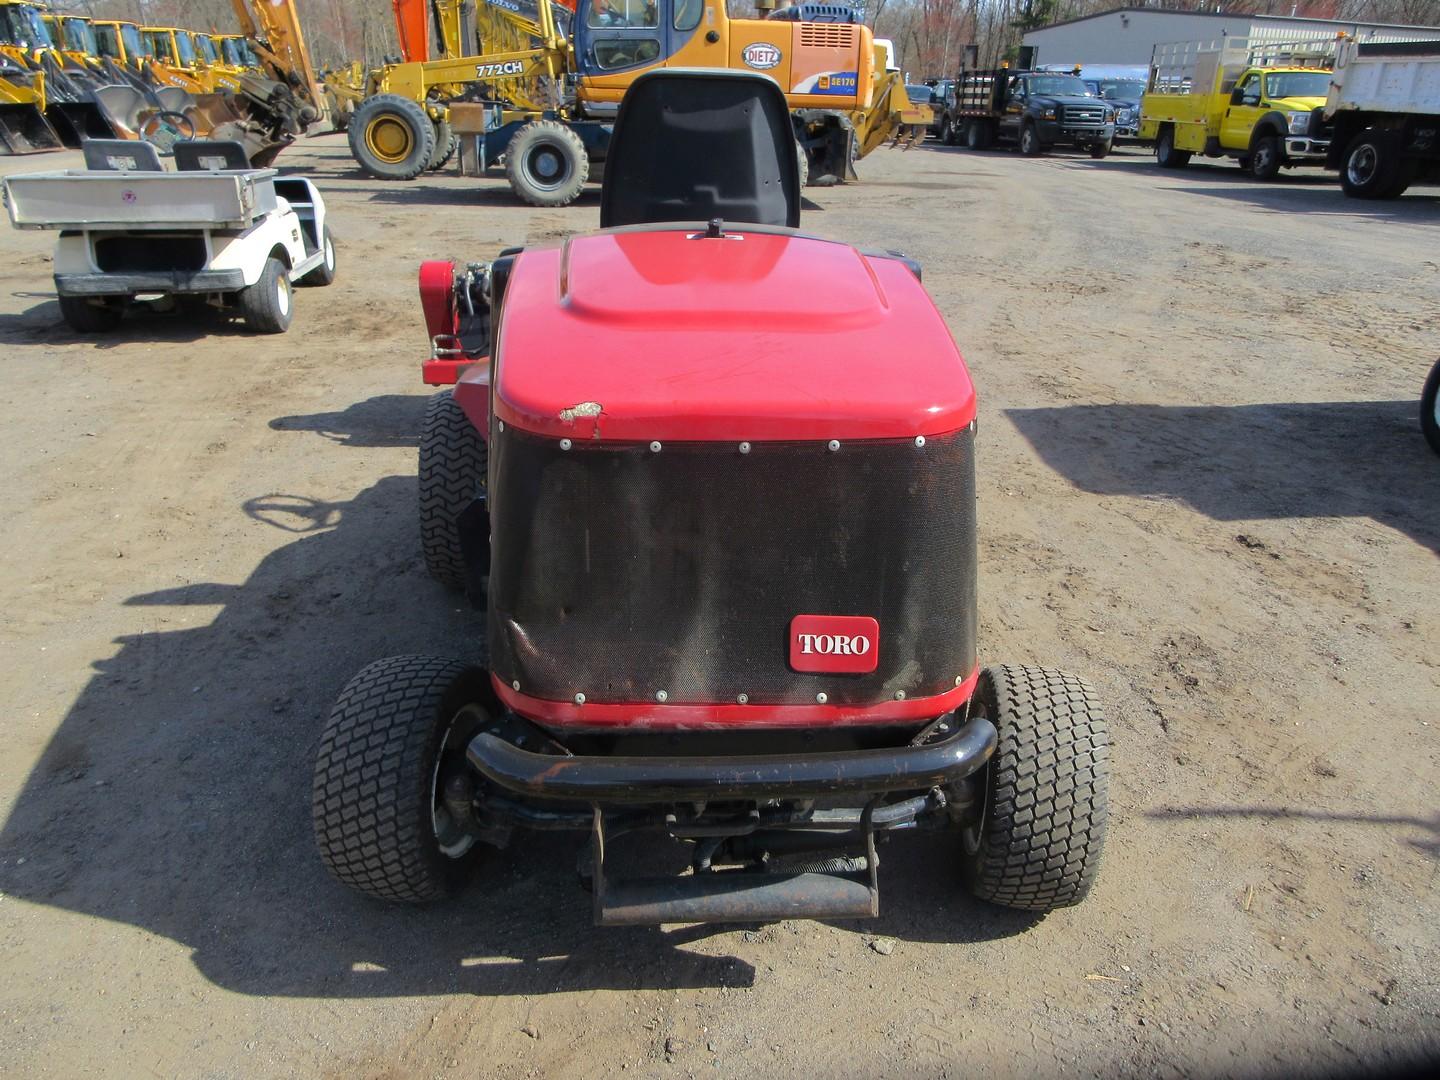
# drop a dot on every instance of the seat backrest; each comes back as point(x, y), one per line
point(692, 145)
point(200, 155)
point(121, 154)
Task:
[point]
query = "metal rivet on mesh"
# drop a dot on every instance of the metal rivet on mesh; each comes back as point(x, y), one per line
point(742, 699)
point(834, 445)
point(899, 695)
point(654, 447)
point(821, 698)
point(661, 696)
point(959, 679)
point(515, 685)
point(579, 699)
point(565, 444)
point(744, 448)
point(501, 423)
point(919, 440)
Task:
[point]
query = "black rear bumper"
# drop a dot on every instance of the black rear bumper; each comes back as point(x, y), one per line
point(641, 780)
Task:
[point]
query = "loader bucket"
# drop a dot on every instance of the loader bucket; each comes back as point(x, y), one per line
point(76, 121)
point(24, 130)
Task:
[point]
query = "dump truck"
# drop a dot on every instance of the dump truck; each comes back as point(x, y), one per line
point(1036, 110)
point(843, 104)
point(1384, 108)
point(1260, 104)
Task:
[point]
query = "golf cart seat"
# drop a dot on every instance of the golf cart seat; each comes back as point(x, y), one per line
point(697, 145)
point(126, 155)
point(202, 155)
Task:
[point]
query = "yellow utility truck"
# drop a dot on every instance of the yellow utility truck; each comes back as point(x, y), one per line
point(1261, 104)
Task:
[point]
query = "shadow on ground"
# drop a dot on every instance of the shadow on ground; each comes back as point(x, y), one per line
point(1427, 828)
point(175, 794)
point(1244, 462)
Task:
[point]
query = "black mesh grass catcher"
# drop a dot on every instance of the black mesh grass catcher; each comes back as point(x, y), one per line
point(618, 571)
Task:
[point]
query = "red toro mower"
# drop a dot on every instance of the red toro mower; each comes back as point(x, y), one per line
point(713, 481)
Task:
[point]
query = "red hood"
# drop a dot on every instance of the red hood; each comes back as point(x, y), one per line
point(658, 335)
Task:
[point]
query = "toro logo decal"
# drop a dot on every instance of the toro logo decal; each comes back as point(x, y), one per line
point(834, 643)
point(761, 55)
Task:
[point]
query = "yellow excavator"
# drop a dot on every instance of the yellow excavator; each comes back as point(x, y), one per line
point(550, 96)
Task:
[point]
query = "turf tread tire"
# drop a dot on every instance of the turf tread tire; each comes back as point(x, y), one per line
point(1429, 404)
point(370, 800)
point(260, 304)
point(84, 317)
point(1048, 801)
point(453, 460)
point(324, 274)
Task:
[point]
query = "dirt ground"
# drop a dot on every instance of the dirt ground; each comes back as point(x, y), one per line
point(1202, 485)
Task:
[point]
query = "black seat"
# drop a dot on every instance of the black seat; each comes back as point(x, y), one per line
point(121, 154)
point(202, 155)
point(696, 145)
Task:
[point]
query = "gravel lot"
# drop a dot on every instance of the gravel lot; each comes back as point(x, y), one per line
point(1202, 485)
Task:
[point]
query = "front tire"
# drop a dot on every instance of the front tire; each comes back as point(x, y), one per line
point(1100, 150)
point(546, 164)
point(268, 305)
point(1266, 158)
point(1373, 168)
point(947, 132)
point(1030, 144)
point(397, 733)
point(453, 459)
point(1037, 840)
point(86, 317)
point(392, 137)
point(1430, 408)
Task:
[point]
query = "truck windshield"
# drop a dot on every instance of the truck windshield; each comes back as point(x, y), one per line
point(206, 48)
point(107, 42)
point(157, 44)
point(1297, 84)
point(23, 26)
point(1066, 85)
point(231, 49)
point(134, 47)
point(78, 36)
point(1120, 89)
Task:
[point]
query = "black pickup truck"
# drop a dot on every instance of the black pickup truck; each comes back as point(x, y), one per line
point(1036, 109)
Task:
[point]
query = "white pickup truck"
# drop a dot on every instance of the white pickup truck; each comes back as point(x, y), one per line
point(215, 231)
point(1384, 104)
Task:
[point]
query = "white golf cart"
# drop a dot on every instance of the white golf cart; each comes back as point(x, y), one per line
point(214, 231)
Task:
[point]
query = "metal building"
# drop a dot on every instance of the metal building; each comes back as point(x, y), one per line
point(1126, 35)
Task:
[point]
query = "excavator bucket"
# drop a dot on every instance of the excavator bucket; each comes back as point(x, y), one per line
point(24, 130)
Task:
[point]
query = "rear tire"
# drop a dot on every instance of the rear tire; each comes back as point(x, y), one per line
point(546, 164)
point(268, 305)
point(1030, 144)
point(85, 316)
point(947, 132)
point(398, 729)
point(453, 460)
point(1166, 156)
point(324, 274)
point(1266, 158)
point(1036, 844)
point(446, 142)
point(977, 135)
point(1430, 408)
point(392, 137)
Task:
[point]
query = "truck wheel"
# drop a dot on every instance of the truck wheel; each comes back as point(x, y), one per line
point(446, 142)
point(394, 739)
point(1430, 408)
point(1030, 141)
point(1373, 168)
point(324, 274)
point(85, 315)
point(947, 132)
point(1166, 156)
point(267, 305)
point(546, 164)
point(802, 162)
point(392, 137)
point(1100, 149)
point(453, 460)
point(1036, 839)
point(1266, 158)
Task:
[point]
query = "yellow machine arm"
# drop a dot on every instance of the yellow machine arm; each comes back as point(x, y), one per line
point(273, 30)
